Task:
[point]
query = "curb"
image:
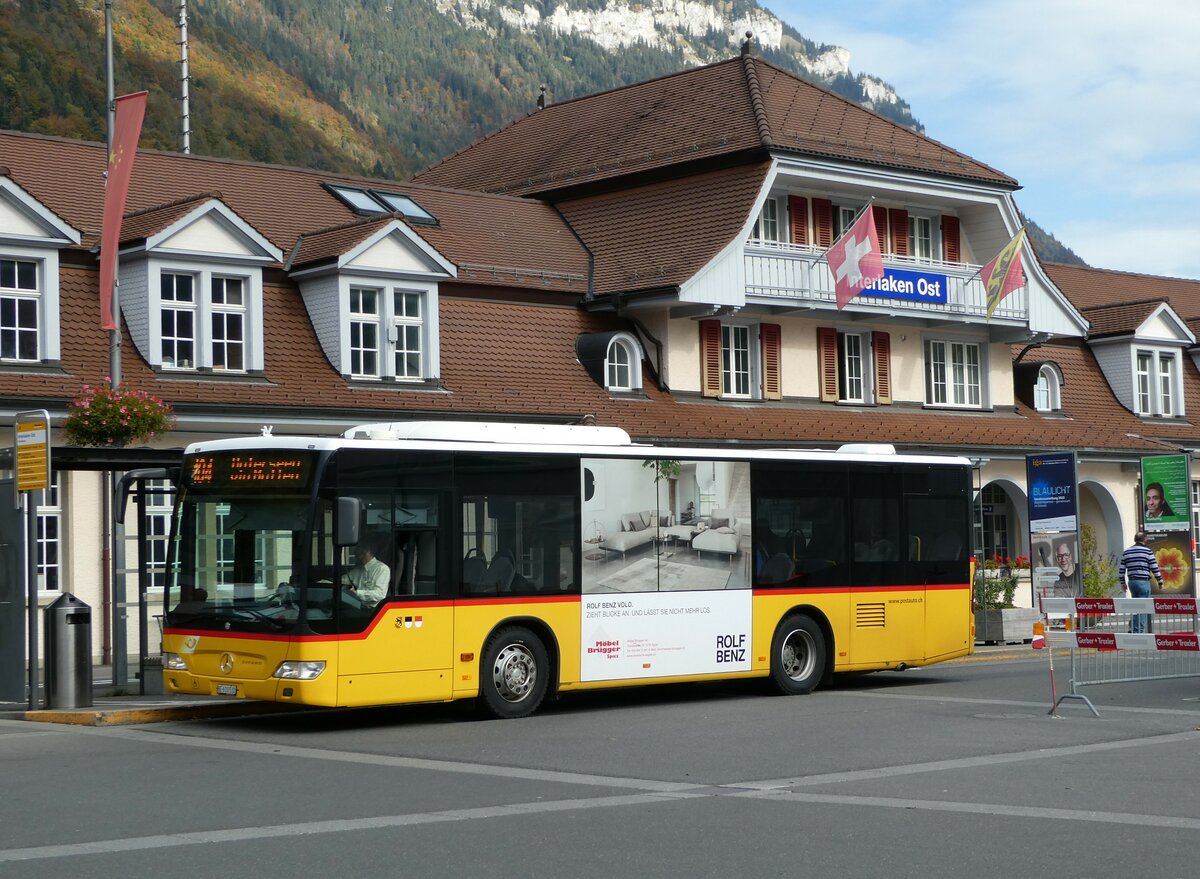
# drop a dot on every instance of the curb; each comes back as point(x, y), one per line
point(150, 714)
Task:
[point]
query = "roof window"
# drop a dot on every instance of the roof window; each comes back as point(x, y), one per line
point(375, 201)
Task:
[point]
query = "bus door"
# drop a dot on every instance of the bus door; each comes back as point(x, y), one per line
point(395, 623)
point(938, 515)
point(887, 614)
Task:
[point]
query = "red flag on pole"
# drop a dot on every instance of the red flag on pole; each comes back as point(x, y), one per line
point(127, 128)
point(855, 259)
point(1003, 274)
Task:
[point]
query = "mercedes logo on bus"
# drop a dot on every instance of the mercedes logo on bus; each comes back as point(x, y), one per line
point(226, 663)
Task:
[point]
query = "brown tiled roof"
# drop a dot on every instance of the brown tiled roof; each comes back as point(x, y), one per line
point(1119, 319)
point(1087, 287)
point(522, 243)
point(325, 244)
point(662, 234)
point(744, 105)
point(509, 359)
point(144, 223)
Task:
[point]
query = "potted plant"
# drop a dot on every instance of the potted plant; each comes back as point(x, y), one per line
point(115, 416)
point(997, 619)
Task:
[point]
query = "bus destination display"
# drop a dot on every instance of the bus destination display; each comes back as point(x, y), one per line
point(250, 469)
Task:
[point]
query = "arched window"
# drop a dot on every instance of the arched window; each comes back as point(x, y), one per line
point(623, 364)
point(1047, 394)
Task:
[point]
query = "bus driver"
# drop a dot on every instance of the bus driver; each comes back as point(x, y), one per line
point(368, 580)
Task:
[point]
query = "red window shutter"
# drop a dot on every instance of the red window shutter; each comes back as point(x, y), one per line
point(798, 215)
point(770, 336)
point(881, 343)
point(881, 227)
point(898, 219)
point(823, 221)
point(827, 363)
point(951, 251)
point(710, 358)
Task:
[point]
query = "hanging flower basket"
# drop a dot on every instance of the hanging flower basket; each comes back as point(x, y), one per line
point(114, 417)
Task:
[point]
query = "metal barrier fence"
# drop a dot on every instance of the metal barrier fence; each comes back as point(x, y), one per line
point(1106, 646)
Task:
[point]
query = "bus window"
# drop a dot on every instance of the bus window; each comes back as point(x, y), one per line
point(799, 533)
point(877, 540)
point(518, 524)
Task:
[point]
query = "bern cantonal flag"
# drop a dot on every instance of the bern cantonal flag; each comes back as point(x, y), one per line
point(127, 129)
point(855, 259)
point(1003, 274)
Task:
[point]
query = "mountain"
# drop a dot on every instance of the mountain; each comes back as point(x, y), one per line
point(380, 87)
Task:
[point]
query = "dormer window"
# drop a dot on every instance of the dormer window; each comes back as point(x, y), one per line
point(623, 364)
point(1047, 391)
point(387, 333)
point(20, 305)
point(1156, 383)
point(198, 331)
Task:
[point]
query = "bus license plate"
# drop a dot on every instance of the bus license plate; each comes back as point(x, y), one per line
point(226, 689)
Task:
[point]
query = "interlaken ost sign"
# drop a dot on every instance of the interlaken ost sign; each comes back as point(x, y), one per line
point(909, 286)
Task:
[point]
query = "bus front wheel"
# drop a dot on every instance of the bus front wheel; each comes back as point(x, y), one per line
point(514, 673)
point(797, 655)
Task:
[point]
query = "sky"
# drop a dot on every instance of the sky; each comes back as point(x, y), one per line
point(1092, 105)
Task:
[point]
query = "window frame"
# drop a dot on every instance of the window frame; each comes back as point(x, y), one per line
point(763, 230)
point(632, 351)
point(20, 295)
point(395, 331)
point(731, 350)
point(916, 218)
point(950, 383)
point(1047, 390)
point(209, 282)
point(50, 512)
point(865, 358)
point(358, 350)
point(1156, 386)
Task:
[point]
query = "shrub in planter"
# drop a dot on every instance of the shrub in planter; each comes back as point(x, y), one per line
point(108, 416)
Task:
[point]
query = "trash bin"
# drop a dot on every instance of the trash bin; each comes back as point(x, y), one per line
point(68, 648)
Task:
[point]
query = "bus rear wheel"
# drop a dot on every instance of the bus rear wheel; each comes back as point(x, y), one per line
point(797, 655)
point(514, 673)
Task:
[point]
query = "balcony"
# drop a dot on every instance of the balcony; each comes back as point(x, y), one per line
point(791, 275)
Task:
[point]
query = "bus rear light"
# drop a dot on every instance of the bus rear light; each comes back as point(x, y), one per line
point(174, 662)
point(300, 671)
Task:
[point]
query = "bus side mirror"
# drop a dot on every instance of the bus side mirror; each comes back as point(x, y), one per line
point(349, 510)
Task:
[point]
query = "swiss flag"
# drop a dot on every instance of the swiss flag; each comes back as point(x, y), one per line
point(855, 258)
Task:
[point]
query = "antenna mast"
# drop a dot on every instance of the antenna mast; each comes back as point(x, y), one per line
point(184, 79)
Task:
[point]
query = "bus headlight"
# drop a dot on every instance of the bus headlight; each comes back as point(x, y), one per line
point(173, 662)
point(299, 671)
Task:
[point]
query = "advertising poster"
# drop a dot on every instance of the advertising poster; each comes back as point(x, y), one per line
point(660, 634)
point(1165, 498)
point(1056, 565)
point(1052, 489)
point(1173, 552)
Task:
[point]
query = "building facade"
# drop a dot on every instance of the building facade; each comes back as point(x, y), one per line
point(651, 257)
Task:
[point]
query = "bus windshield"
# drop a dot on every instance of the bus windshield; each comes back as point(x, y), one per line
point(238, 542)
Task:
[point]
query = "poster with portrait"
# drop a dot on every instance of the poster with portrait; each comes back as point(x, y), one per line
point(1056, 565)
point(1165, 497)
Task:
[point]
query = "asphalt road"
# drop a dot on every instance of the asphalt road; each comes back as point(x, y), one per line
point(956, 770)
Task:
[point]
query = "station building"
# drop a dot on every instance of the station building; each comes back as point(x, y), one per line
point(650, 257)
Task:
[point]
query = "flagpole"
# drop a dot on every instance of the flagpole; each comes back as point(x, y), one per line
point(120, 651)
point(114, 339)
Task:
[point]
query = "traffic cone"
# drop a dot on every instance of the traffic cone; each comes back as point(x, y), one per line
point(1039, 636)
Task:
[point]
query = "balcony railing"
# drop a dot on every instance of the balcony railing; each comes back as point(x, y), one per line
point(791, 274)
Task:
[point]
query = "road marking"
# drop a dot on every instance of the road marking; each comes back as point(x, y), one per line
point(399, 762)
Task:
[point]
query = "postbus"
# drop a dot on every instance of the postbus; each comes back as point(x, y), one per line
point(507, 563)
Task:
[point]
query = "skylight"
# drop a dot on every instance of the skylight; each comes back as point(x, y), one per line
point(374, 201)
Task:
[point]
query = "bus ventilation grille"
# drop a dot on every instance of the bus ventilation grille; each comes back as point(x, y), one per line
point(870, 616)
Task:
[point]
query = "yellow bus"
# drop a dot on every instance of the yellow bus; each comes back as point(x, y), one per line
point(508, 563)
